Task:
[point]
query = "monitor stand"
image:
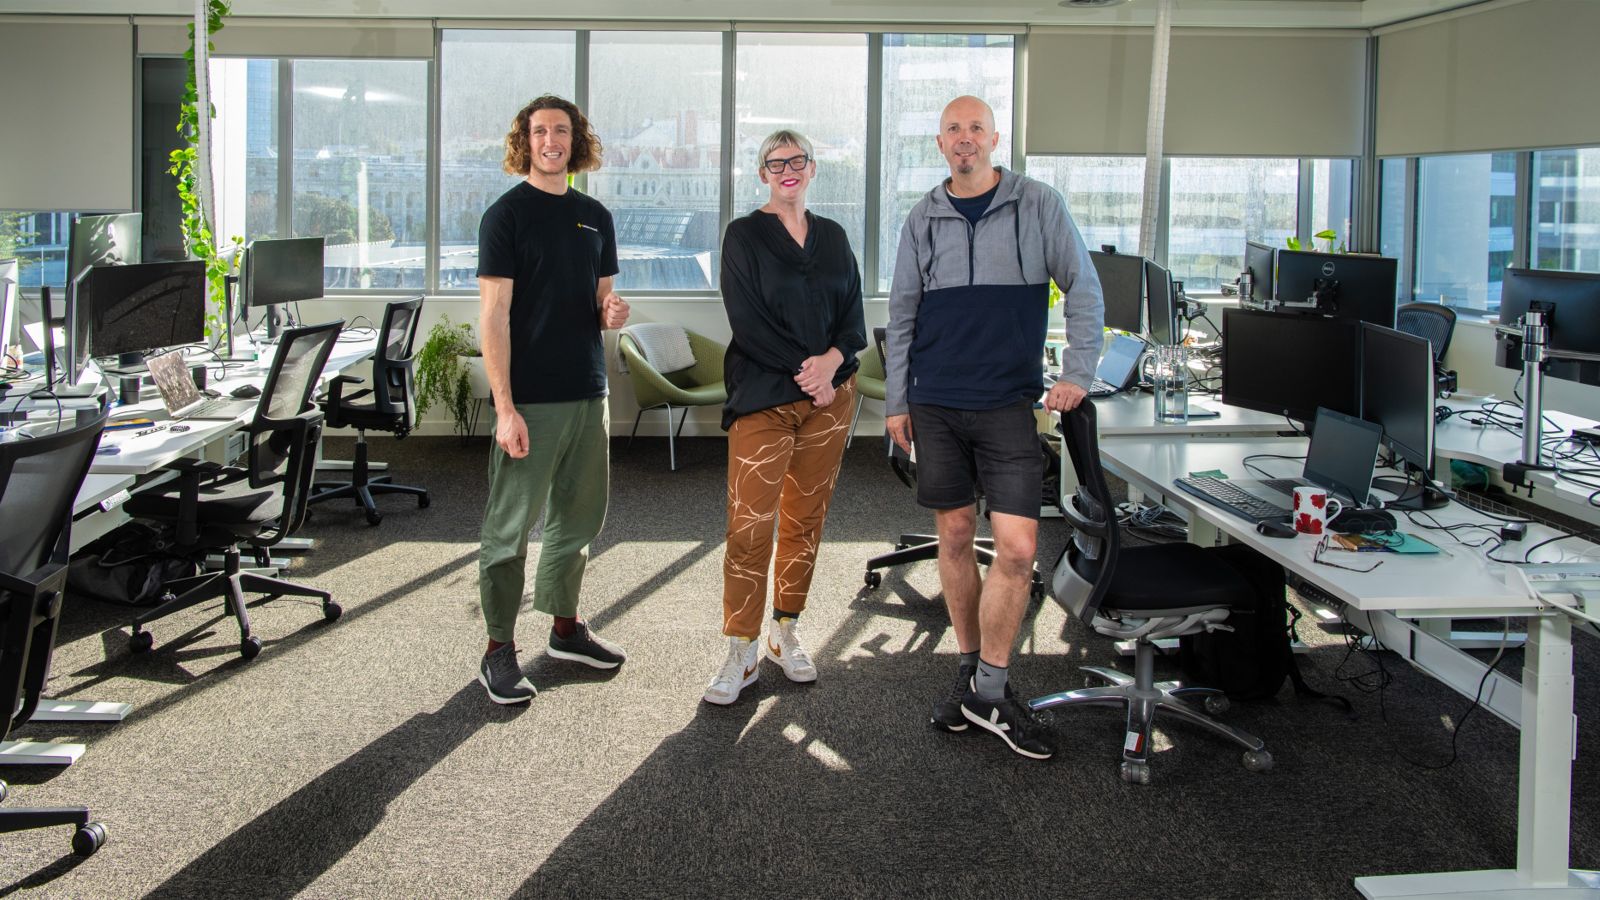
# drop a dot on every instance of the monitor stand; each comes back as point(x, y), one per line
point(1410, 494)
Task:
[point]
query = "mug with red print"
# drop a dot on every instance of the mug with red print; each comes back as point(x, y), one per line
point(1313, 509)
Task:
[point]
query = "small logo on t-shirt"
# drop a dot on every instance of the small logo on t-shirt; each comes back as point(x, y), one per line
point(590, 227)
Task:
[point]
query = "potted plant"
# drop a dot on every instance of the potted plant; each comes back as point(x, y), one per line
point(449, 372)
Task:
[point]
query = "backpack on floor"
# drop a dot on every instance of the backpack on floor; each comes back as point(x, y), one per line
point(1251, 661)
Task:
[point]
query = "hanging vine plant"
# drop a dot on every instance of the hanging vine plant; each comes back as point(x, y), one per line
point(198, 238)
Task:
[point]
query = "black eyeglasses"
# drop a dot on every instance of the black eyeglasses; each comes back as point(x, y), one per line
point(793, 163)
point(1322, 549)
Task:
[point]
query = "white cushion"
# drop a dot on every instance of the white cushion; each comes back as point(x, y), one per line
point(665, 346)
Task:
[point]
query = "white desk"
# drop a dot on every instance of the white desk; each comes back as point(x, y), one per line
point(1134, 412)
point(1461, 583)
point(1494, 448)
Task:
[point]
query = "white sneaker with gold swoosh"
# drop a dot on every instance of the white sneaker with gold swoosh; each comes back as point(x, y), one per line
point(737, 673)
point(783, 647)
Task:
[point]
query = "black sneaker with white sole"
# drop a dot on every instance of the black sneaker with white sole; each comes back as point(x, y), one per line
point(947, 712)
point(503, 679)
point(586, 647)
point(1012, 721)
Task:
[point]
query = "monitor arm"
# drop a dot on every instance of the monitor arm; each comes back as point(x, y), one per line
point(1534, 330)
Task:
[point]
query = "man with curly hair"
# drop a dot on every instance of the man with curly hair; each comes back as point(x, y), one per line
point(547, 255)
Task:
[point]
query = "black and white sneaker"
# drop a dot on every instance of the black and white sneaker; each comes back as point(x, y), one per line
point(503, 679)
point(947, 712)
point(1012, 721)
point(586, 647)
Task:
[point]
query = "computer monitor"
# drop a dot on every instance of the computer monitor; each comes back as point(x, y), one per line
point(106, 240)
point(1162, 303)
point(281, 271)
point(1572, 304)
point(9, 314)
point(1258, 261)
point(1397, 393)
point(1346, 285)
point(1290, 365)
point(134, 309)
point(1122, 285)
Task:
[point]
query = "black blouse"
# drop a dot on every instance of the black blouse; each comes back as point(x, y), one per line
point(786, 303)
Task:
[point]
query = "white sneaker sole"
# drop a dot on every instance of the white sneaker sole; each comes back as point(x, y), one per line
point(580, 658)
point(748, 680)
point(766, 650)
point(504, 701)
point(990, 727)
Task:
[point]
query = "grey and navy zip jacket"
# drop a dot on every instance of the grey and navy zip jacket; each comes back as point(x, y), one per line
point(969, 304)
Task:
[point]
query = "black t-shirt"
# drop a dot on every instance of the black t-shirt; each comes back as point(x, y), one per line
point(555, 248)
point(973, 207)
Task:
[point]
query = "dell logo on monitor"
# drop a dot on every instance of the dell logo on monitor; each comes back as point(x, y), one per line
point(1327, 269)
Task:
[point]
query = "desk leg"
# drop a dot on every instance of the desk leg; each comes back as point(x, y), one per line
point(1544, 791)
point(27, 753)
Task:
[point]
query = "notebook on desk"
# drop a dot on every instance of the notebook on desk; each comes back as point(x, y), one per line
point(182, 399)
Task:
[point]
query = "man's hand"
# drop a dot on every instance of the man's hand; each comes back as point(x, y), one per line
point(1064, 396)
point(817, 373)
point(511, 433)
point(613, 312)
point(900, 430)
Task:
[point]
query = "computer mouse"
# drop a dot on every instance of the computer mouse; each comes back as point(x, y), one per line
point(178, 428)
point(1276, 529)
point(245, 392)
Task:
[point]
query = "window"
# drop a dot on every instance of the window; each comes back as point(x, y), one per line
point(1104, 194)
point(485, 77)
point(1464, 228)
point(1392, 204)
point(360, 168)
point(38, 241)
point(921, 74)
point(245, 145)
point(816, 84)
point(655, 98)
point(1566, 195)
point(1217, 205)
point(1330, 197)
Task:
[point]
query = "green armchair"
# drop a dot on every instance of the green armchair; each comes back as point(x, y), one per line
point(869, 379)
point(698, 385)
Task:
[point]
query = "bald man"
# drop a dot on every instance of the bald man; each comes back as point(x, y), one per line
point(967, 316)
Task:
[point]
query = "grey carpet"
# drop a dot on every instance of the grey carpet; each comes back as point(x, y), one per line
point(362, 760)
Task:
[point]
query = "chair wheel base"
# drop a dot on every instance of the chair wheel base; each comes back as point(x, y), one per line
point(423, 501)
point(141, 642)
point(88, 839)
point(873, 579)
point(1258, 760)
point(1135, 772)
point(331, 611)
point(1217, 704)
point(250, 647)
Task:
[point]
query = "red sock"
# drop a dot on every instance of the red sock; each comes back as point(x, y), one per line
point(495, 645)
point(566, 625)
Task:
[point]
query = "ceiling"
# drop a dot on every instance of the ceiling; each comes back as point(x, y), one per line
point(1195, 13)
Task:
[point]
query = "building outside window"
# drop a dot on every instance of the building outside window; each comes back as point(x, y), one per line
point(1466, 211)
point(1218, 204)
point(1566, 210)
point(1104, 194)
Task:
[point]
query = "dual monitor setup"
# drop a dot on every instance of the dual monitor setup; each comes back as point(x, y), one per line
point(1140, 296)
point(119, 309)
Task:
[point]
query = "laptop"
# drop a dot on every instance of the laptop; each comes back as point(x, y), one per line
point(182, 399)
point(1343, 454)
point(1119, 367)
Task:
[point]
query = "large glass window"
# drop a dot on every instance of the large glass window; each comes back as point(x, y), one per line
point(245, 146)
point(1330, 197)
point(1392, 203)
point(816, 84)
point(485, 77)
point(1104, 195)
point(38, 241)
point(1218, 204)
point(1466, 210)
point(360, 168)
point(655, 98)
point(921, 74)
point(1566, 210)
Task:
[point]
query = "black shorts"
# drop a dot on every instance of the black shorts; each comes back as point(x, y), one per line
point(962, 453)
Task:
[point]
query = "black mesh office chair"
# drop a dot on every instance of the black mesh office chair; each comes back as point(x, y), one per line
point(217, 508)
point(386, 406)
point(39, 478)
point(1141, 594)
point(1433, 322)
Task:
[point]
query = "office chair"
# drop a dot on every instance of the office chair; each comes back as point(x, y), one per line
point(1141, 594)
point(869, 382)
point(388, 409)
point(912, 548)
point(217, 508)
point(1433, 322)
point(39, 479)
point(698, 384)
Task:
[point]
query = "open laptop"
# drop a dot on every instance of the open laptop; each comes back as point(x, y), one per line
point(182, 399)
point(1343, 454)
point(1119, 366)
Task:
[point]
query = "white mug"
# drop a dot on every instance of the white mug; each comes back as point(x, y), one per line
point(1313, 509)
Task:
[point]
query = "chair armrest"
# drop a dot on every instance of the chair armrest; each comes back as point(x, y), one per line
point(708, 356)
point(336, 397)
point(50, 576)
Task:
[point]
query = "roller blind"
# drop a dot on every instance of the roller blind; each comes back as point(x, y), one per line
point(1267, 93)
point(309, 38)
point(67, 141)
point(1515, 77)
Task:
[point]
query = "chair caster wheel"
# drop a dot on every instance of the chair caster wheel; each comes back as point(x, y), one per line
point(331, 611)
point(1217, 704)
point(88, 838)
point(374, 518)
point(3, 790)
point(1257, 760)
point(901, 546)
point(250, 647)
point(873, 579)
point(1135, 772)
point(141, 641)
point(423, 501)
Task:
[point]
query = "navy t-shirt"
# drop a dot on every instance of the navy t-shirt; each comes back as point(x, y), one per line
point(973, 207)
point(555, 248)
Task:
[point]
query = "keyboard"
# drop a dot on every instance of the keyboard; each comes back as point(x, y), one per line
point(1219, 492)
point(1287, 485)
point(1102, 388)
